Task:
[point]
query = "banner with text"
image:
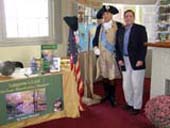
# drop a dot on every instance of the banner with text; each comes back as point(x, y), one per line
point(32, 97)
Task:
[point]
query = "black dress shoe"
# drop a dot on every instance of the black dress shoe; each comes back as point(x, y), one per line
point(127, 108)
point(112, 101)
point(104, 99)
point(106, 93)
point(135, 111)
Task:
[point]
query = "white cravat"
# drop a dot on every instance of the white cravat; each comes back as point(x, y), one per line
point(107, 25)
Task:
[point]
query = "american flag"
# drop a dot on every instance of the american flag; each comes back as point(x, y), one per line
point(75, 66)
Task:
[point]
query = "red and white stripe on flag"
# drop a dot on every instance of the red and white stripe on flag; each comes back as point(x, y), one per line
point(80, 88)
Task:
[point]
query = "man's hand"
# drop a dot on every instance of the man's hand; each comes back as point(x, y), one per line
point(120, 62)
point(96, 51)
point(139, 63)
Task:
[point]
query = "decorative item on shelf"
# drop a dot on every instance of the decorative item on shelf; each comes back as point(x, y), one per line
point(7, 68)
point(56, 64)
point(33, 66)
point(168, 39)
point(65, 63)
point(164, 2)
point(162, 10)
point(163, 37)
point(39, 65)
point(163, 27)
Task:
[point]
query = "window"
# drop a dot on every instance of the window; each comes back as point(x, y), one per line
point(26, 22)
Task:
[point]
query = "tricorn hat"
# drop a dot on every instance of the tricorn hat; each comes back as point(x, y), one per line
point(72, 22)
point(106, 8)
point(100, 13)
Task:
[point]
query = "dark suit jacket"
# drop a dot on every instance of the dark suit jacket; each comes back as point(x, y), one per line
point(96, 37)
point(136, 49)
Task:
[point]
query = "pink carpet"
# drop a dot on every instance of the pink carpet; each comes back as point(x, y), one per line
point(103, 115)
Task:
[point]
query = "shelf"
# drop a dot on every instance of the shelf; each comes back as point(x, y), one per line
point(164, 14)
point(163, 23)
point(162, 2)
point(163, 19)
point(163, 5)
point(158, 44)
point(165, 32)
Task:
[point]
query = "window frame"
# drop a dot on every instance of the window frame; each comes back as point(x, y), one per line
point(4, 41)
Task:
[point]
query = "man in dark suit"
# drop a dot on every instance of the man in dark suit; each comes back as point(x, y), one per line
point(131, 52)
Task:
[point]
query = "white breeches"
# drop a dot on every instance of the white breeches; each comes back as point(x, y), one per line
point(133, 81)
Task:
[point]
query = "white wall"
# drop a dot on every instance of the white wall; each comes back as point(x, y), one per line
point(148, 64)
point(160, 70)
point(19, 53)
point(25, 53)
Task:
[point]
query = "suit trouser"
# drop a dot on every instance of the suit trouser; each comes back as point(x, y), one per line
point(133, 81)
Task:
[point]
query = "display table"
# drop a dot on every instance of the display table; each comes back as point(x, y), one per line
point(69, 97)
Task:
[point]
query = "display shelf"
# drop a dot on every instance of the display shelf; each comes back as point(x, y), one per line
point(166, 32)
point(164, 14)
point(158, 44)
point(163, 20)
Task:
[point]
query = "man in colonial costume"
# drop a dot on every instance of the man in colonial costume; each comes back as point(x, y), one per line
point(104, 48)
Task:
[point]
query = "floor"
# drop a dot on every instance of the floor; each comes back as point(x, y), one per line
point(103, 115)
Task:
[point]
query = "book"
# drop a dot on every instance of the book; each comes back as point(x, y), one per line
point(50, 62)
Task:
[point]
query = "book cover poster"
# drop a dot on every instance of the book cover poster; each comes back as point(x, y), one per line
point(32, 97)
point(49, 60)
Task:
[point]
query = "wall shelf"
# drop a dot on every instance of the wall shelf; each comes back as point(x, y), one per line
point(163, 20)
point(158, 44)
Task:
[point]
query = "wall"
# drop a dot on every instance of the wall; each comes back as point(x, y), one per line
point(148, 63)
point(20, 53)
point(25, 53)
point(160, 70)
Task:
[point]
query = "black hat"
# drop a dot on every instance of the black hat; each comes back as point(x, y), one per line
point(107, 8)
point(72, 22)
point(100, 13)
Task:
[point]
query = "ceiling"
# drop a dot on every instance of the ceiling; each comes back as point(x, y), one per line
point(122, 1)
point(131, 1)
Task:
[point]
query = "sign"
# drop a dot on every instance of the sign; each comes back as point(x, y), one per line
point(48, 46)
point(91, 3)
point(32, 97)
